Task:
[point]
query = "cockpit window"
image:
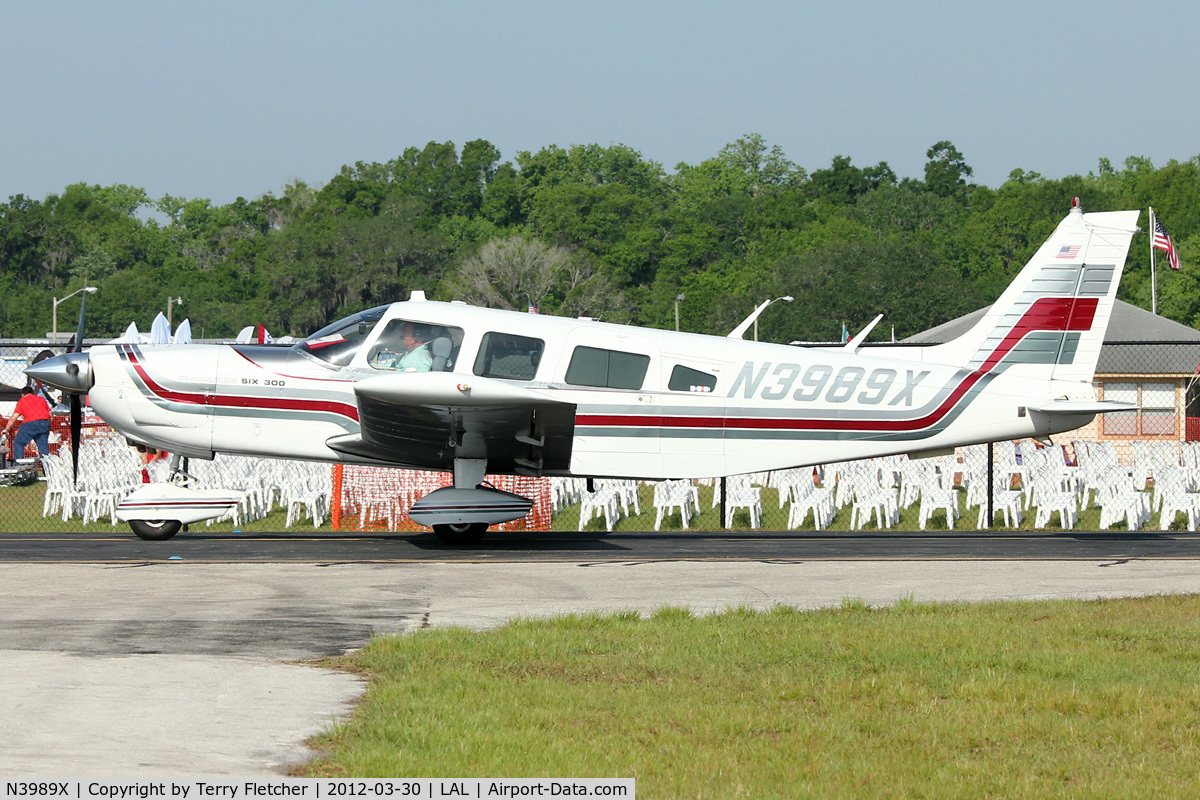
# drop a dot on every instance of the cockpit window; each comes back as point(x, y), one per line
point(411, 346)
point(337, 343)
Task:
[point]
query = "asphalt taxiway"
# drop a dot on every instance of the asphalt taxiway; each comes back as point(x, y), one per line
point(200, 545)
point(128, 658)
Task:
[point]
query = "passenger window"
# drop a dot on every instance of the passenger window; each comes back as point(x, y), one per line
point(506, 355)
point(686, 379)
point(609, 369)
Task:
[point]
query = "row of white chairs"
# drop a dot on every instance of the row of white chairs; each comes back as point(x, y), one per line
point(109, 469)
point(1026, 478)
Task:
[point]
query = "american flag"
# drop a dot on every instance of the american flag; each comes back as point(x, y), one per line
point(1163, 242)
point(1068, 251)
point(533, 309)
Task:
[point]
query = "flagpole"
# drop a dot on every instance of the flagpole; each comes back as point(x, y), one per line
point(1153, 288)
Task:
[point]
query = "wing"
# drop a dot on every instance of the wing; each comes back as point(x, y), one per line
point(428, 419)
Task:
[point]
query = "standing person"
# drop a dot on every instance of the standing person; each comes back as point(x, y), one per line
point(34, 413)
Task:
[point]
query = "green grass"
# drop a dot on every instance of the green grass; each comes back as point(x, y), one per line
point(1050, 699)
point(21, 511)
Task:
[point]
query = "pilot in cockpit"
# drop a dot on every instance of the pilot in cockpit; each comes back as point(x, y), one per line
point(406, 347)
point(416, 337)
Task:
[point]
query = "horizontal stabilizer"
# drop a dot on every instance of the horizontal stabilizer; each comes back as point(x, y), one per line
point(1083, 407)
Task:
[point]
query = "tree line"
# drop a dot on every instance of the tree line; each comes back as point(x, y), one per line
point(585, 230)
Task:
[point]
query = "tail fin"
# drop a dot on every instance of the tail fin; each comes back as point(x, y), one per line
point(1051, 320)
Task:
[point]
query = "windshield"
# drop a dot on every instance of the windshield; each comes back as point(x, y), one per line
point(337, 343)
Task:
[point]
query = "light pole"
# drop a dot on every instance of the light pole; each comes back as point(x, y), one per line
point(172, 301)
point(678, 299)
point(786, 297)
point(54, 311)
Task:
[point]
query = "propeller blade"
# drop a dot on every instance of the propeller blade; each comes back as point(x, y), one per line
point(77, 400)
point(76, 430)
point(79, 331)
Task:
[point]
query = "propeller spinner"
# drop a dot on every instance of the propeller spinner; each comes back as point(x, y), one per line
point(71, 372)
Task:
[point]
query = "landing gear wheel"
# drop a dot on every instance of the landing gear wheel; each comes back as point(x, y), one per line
point(155, 530)
point(460, 533)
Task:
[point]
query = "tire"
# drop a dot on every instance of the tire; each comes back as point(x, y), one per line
point(155, 530)
point(460, 533)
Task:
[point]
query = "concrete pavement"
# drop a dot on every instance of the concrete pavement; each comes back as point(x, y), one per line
point(176, 669)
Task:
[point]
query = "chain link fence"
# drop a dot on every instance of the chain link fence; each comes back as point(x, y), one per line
point(1137, 469)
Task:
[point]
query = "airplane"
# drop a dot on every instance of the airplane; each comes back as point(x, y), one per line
point(504, 392)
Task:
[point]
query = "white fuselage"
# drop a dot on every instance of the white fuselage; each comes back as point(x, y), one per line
point(702, 406)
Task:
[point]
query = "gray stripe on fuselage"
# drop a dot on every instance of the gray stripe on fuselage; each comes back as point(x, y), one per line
point(791, 412)
point(760, 434)
point(177, 407)
point(233, 391)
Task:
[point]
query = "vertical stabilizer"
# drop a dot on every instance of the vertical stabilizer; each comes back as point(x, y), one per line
point(1051, 320)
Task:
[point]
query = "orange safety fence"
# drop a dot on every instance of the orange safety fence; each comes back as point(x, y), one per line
point(379, 498)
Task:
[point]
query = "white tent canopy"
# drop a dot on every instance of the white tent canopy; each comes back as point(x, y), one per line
point(160, 330)
point(130, 336)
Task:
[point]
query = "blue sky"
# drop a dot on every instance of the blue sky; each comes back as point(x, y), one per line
point(225, 99)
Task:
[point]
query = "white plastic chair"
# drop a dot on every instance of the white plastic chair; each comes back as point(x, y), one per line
point(740, 494)
point(1005, 501)
point(874, 503)
point(939, 499)
point(1049, 497)
point(58, 484)
point(604, 501)
point(680, 495)
point(1186, 503)
point(309, 493)
point(819, 501)
point(1127, 505)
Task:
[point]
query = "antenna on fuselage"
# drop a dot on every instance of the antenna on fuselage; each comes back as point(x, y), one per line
point(854, 344)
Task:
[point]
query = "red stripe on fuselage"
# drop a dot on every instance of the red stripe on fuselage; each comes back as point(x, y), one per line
point(234, 401)
point(760, 423)
point(1060, 314)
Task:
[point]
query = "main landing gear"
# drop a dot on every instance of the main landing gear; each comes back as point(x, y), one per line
point(460, 532)
point(461, 514)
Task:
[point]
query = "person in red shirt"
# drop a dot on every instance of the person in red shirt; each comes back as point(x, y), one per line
point(34, 414)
